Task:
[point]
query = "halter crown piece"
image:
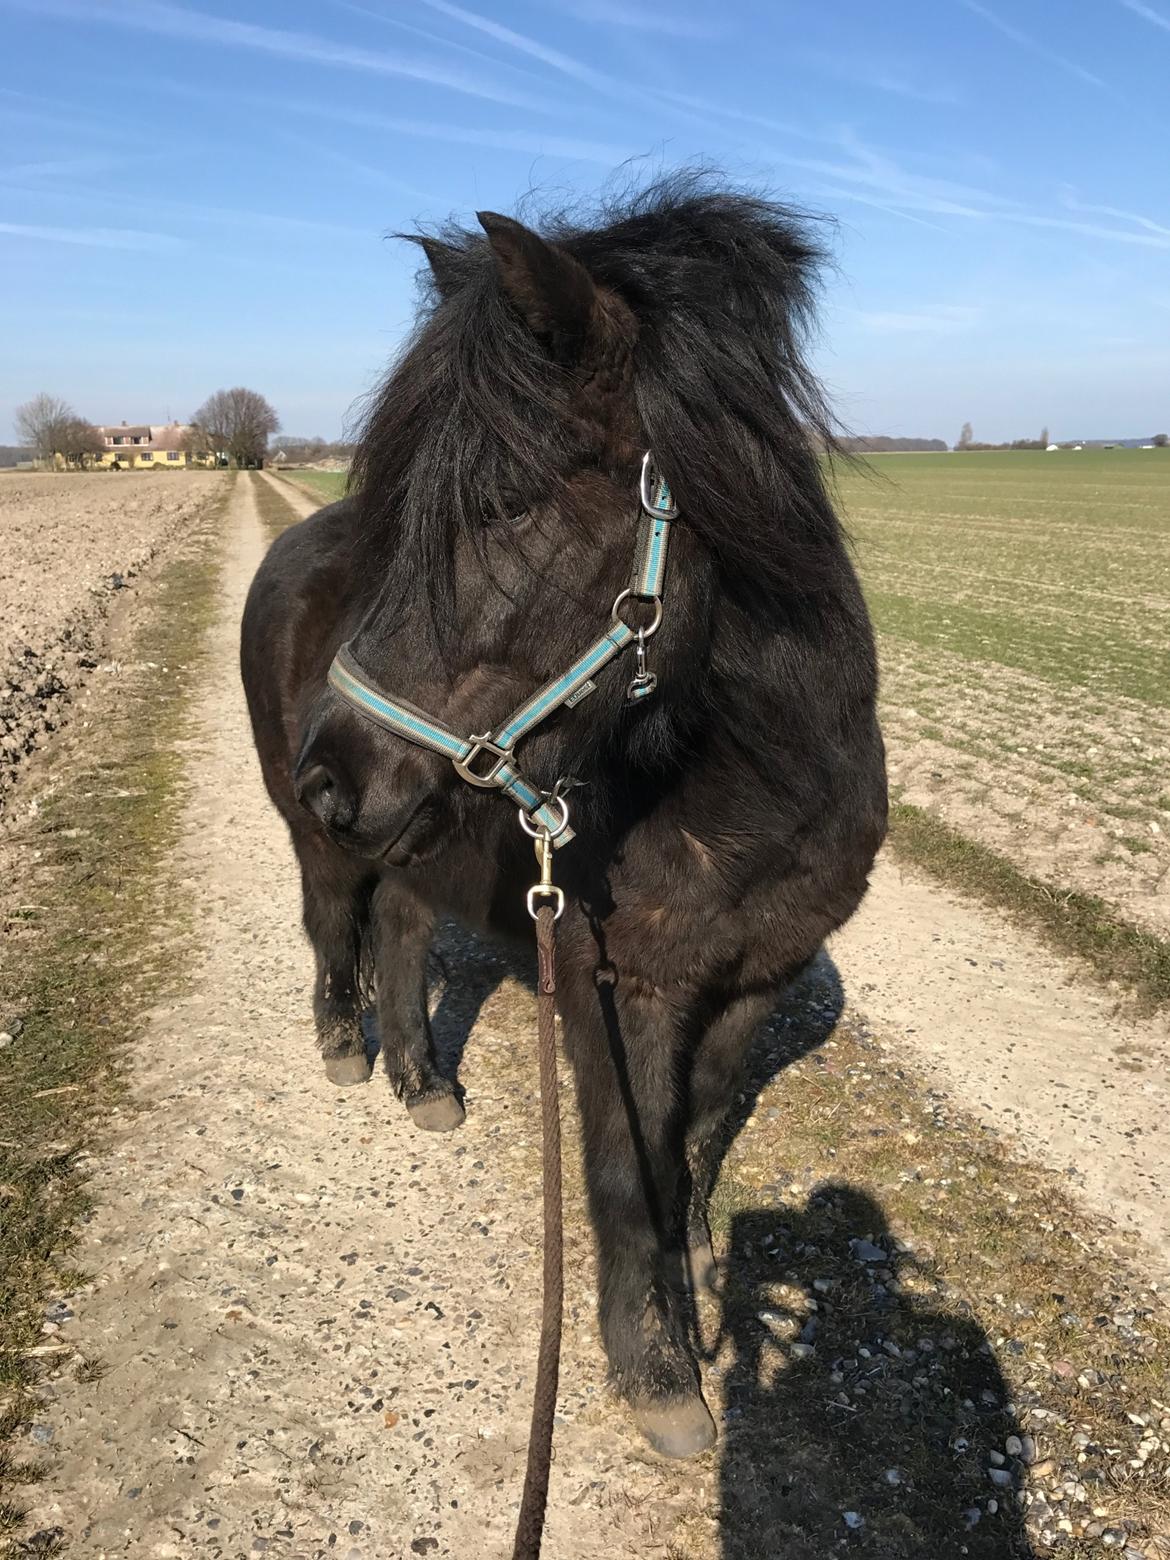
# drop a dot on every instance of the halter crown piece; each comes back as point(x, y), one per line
point(488, 761)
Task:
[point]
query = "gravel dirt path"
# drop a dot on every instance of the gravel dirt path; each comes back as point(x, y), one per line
point(319, 1324)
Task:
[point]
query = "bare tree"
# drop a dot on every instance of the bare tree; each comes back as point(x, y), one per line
point(237, 424)
point(966, 437)
point(1044, 439)
point(78, 442)
point(40, 424)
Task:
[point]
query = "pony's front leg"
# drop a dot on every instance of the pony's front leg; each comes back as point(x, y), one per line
point(622, 1040)
point(402, 930)
point(717, 1072)
point(336, 894)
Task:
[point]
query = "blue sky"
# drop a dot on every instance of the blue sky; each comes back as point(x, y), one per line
point(197, 195)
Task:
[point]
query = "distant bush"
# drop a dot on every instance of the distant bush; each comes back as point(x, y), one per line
point(883, 443)
point(1016, 444)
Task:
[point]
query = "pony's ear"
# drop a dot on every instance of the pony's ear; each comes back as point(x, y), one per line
point(553, 292)
point(442, 260)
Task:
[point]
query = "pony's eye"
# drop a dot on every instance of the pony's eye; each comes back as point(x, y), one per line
point(510, 506)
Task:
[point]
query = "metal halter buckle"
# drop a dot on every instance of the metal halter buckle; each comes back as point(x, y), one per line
point(643, 633)
point(659, 511)
point(480, 745)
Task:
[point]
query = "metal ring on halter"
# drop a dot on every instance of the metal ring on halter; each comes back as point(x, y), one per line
point(646, 633)
point(659, 511)
point(538, 831)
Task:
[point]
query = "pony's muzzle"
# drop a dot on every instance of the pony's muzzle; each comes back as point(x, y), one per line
point(376, 794)
point(327, 795)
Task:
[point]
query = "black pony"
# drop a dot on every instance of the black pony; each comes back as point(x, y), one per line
point(724, 826)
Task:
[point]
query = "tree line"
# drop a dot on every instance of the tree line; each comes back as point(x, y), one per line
point(967, 441)
point(300, 450)
point(232, 425)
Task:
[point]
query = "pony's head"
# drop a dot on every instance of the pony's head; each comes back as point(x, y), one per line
point(497, 483)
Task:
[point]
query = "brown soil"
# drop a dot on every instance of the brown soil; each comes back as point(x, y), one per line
point(71, 545)
point(1074, 791)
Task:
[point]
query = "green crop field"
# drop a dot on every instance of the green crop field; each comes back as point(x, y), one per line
point(1056, 564)
point(327, 484)
point(1022, 602)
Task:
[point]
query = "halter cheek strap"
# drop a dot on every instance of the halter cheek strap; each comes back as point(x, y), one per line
point(488, 761)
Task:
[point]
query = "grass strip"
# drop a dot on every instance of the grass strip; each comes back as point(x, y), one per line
point(84, 958)
point(325, 486)
point(275, 509)
point(1069, 921)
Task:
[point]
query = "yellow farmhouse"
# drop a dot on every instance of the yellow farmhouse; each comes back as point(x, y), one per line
point(140, 448)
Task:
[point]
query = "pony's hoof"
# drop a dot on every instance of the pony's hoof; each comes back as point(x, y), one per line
point(702, 1269)
point(346, 1070)
point(676, 1427)
point(438, 1113)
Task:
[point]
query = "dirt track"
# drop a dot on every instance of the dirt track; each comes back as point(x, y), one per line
point(320, 1323)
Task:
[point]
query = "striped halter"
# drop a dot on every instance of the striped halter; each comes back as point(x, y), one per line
point(488, 760)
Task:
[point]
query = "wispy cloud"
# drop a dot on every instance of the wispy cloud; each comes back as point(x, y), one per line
point(532, 143)
point(895, 77)
point(361, 172)
point(446, 43)
point(1148, 14)
point(1089, 229)
point(575, 69)
point(833, 192)
point(556, 58)
point(871, 177)
point(198, 213)
point(61, 166)
point(1026, 41)
point(637, 18)
point(1146, 223)
point(173, 21)
point(933, 320)
point(877, 174)
point(93, 237)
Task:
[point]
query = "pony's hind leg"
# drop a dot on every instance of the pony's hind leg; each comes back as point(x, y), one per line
point(402, 930)
point(336, 892)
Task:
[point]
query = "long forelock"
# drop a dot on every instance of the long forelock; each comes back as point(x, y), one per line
point(723, 286)
point(469, 415)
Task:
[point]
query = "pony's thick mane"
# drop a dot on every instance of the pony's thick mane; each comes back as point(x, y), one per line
point(723, 285)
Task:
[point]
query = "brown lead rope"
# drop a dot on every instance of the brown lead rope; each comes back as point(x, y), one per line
point(530, 1525)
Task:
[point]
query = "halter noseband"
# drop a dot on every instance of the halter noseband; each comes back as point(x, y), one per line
point(488, 761)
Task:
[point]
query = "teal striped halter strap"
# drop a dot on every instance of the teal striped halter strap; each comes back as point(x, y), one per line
point(488, 760)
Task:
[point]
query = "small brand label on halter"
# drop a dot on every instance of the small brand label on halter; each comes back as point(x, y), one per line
point(582, 692)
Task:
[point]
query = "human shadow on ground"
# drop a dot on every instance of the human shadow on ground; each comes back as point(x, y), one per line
point(857, 1416)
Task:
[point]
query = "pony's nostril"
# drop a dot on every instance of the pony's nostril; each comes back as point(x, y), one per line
point(326, 797)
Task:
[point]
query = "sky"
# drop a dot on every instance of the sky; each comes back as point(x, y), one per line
point(201, 195)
